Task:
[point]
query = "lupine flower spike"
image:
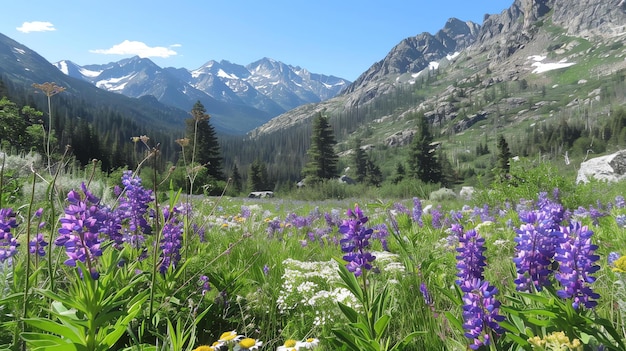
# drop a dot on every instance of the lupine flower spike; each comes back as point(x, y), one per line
point(355, 242)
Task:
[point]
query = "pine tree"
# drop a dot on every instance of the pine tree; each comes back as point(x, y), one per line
point(503, 167)
point(322, 159)
point(204, 147)
point(448, 174)
point(374, 174)
point(360, 161)
point(257, 177)
point(236, 179)
point(422, 156)
point(400, 173)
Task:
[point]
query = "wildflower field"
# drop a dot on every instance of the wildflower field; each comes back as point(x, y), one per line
point(125, 268)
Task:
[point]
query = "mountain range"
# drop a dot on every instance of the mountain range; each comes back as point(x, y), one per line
point(258, 91)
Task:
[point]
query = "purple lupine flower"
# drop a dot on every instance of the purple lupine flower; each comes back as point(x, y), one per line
point(205, 286)
point(416, 213)
point(80, 229)
point(381, 233)
point(321, 235)
point(480, 307)
point(37, 245)
point(8, 244)
point(133, 207)
point(621, 220)
point(613, 256)
point(456, 216)
point(400, 208)
point(620, 202)
point(200, 231)
point(534, 252)
point(171, 242)
point(482, 213)
point(428, 299)
point(556, 194)
point(595, 214)
point(266, 269)
point(333, 218)
point(470, 260)
point(274, 226)
point(394, 223)
point(480, 312)
point(355, 242)
point(245, 212)
point(576, 257)
point(298, 221)
point(436, 217)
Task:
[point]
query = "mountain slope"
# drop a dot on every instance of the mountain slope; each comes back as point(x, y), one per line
point(534, 65)
point(24, 67)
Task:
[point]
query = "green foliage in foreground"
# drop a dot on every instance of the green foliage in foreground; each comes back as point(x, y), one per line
point(276, 272)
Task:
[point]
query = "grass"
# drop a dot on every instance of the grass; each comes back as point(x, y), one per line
point(282, 283)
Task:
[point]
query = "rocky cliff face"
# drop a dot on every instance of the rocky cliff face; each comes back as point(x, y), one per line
point(413, 54)
point(591, 18)
point(502, 49)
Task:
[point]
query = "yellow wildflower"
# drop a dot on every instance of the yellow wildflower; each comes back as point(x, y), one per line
point(620, 265)
point(556, 341)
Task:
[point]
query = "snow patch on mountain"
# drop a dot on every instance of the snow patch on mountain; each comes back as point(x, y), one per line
point(451, 57)
point(114, 83)
point(88, 73)
point(223, 74)
point(63, 67)
point(541, 66)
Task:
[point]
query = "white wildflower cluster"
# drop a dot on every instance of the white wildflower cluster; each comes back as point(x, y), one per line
point(312, 287)
point(388, 262)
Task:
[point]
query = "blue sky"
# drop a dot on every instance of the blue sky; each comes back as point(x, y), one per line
point(333, 37)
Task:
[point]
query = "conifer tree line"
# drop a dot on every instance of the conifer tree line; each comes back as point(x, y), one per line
point(279, 161)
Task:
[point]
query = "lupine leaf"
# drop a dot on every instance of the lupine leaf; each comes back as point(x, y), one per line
point(71, 334)
point(381, 324)
point(349, 312)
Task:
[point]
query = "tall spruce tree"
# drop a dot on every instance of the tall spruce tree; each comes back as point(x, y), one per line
point(359, 159)
point(236, 179)
point(400, 173)
point(374, 174)
point(422, 156)
point(257, 177)
point(503, 166)
point(322, 158)
point(204, 146)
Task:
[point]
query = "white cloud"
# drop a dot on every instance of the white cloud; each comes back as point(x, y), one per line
point(36, 26)
point(138, 48)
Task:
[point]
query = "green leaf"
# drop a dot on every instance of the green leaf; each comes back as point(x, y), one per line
point(401, 345)
point(516, 339)
point(608, 326)
point(70, 333)
point(41, 341)
point(121, 324)
point(509, 327)
point(349, 312)
point(350, 282)
point(540, 322)
point(540, 312)
point(454, 321)
point(381, 324)
point(347, 339)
